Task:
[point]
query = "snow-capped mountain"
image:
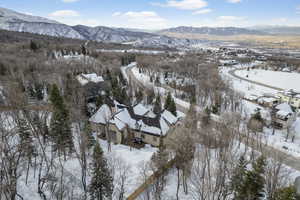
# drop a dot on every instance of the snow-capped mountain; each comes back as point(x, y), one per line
point(107, 34)
point(10, 16)
point(14, 21)
point(222, 31)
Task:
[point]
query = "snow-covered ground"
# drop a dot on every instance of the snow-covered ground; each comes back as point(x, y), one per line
point(145, 80)
point(284, 80)
point(169, 192)
point(132, 158)
point(245, 87)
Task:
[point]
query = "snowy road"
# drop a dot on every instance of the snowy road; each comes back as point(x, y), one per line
point(232, 73)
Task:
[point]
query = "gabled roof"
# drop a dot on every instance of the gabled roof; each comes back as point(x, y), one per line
point(102, 116)
point(284, 107)
point(139, 109)
point(136, 118)
point(169, 117)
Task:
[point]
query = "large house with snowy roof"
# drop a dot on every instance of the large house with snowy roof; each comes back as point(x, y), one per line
point(283, 115)
point(136, 121)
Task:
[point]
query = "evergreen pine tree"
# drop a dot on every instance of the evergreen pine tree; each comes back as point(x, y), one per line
point(173, 108)
point(33, 46)
point(99, 101)
point(258, 116)
point(124, 97)
point(168, 101)
point(255, 180)
point(237, 181)
point(206, 117)
point(83, 50)
point(157, 105)
point(89, 133)
point(61, 133)
point(101, 186)
point(286, 193)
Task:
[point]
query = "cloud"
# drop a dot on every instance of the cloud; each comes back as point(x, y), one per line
point(281, 20)
point(64, 13)
point(115, 14)
point(71, 17)
point(224, 21)
point(234, 1)
point(298, 10)
point(201, 12)
point(143, 19)
point(183, 4)
point(69, 1)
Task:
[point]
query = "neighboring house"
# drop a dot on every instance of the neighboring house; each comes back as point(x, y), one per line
point(291, 97)
point(93, 86)
point(228, 62)
point(283, 116)
point(251, 97)
point(268, 101)
point(137, 122)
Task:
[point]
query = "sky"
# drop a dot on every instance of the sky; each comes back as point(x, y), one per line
point(158, 14)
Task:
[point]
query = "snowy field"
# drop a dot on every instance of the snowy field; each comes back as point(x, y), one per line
point(245, 87)
point(284, 80)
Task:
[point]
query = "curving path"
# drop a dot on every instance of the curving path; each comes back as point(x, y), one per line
point(232, 73)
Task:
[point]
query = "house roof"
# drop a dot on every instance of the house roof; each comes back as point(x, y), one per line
point(169, 117)
point(86, 78)
point(284, 107)
point(102, 115)
point(137, 118)
point(139, 109)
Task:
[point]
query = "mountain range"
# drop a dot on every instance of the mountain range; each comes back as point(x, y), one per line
point(220, 31)
point(14, 21)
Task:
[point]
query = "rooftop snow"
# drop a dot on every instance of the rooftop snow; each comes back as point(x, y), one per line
point(86, 78)
point(102, 116)
point(169, 117)
point(139, 109)
point(284, 107)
